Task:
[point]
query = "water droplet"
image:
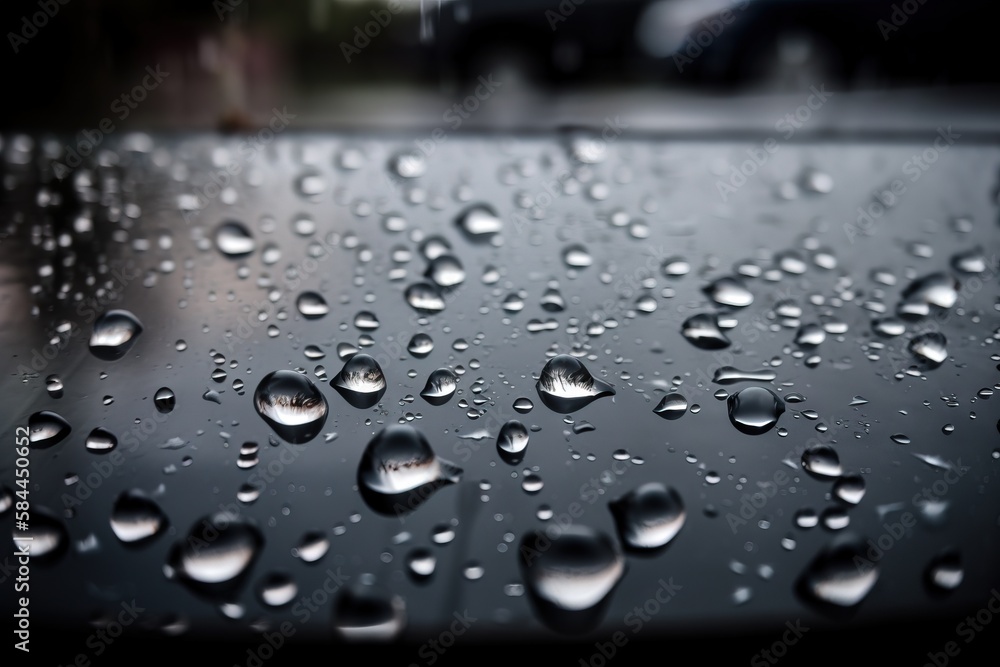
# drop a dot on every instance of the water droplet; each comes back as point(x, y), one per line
point(834, 576)
point(675, 267)
point(440, 387)
point(821, 461)
point(729, 291)
point(54, 386)
point(565, 385)
point(233, 239)
point(421, 563)
point(409, 164)
point(47, 428)
point(310, 185)
point(312, 305)
point(101, 441)
point(900, 438)
point(291, 405)
point(730, 375)
point(277, 589)
point(360, 381)
point(399, 470)
point(576, 256)
point(512, 441)
point(945, 573)
point(312, 547)
point(850, 488)
point(420, 345)
point(810, 335)
point(218, 549)
point(425, 298)
point(136, 518)
point(936, 289)
point(531, 482)
point(576, 569)
point(47, 537)
point(755, 410)
point(702, 330)
point(367, 612)
point(672, 406)
point(446, 271)
point(930, 348)
point(970, 261)
point(889, 327)
point(164, 400)
point(115, 332)
point(649, 516)
point(523, 405)
point(479, 222)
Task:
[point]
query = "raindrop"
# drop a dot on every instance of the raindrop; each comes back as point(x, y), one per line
point(576, 569)
point(409, 164)
point(850, 488)
point(312, 305)
point(729, 292)
point(277, 589)
point(672, 406)
point(730, 375)
point(136, 518)
point(312, 547)
point(233, 239)
point(446, 271)
point(367, 612)
point(424, 297)
point(930, 348)
point(115, 332)
point(834, 576)
point(291, 405)
point(565, 385)
point(523, 405)
point(361, 381)
point(755, 410)
point(512, 441)
point(420, 345)
point(218, 549)
point(164, 400)
point(420, 563)
point(648, 517)
point(101, 441)
point(479, 221)
point(576, 256)
point(821, 461)
point(440, 387)
point(46, 428)
point(702, 330)
point(945, 573)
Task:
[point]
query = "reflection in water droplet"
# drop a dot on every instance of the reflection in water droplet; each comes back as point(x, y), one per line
point(446, 271)
point(850, 488)
point(479, 221)
point(136, 518)
point(702, 330)
point(672, 406)
point(649, 517)
point(312, 547)
point(367, 612)
point(45, 539)
point(840, 575)
point(360, 381)
point(291, 405)
point(523, 405)
point(944, 573)
point(936, 289)
point(565, 384)
point(54, 385)
point(576, 256)
point(755, 410)
point(47, 428)
point(233, 239)
point(277, 589)
point(810, 335)
point(399, 470)
point(574, 570)
point(115, 332)
point(440, 387)
point(420, 563)
point(409, 164)
point(101, 441)
point(730, 375)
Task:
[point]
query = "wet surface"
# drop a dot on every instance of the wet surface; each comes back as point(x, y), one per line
point(731, 384)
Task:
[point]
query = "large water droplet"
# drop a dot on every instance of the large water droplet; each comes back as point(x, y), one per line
point(233, 239)
point(291, 405)
point(164, 400)
point(440, 387)
point(810, 335)
point(218, 549)
point(46, 538)
point(101, 441)
point(840, 575)
point(136, 518)
point(47, 428)
point(312, 305)
point(360, 381)
point(115, 332)
point(446, 271)
point(409, 164)
point(565, 384)
point(672, 406)
point(930, 348)
point(945, 573)
point(424, 297)
point(574, 570)
point(399, 470)
point(512, 441)
point(367, 612)
point(479, 222)
point(755, 410)
point(648, 517)
point(729, 291)
point(936, 289)
point(576, 256)
point(822, 461)
point(420, 345)
point(277, 589)
point(850, 488)
point(702, 330)
point(730, 375)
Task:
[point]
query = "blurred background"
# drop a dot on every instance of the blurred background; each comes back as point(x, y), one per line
point(385, 64)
